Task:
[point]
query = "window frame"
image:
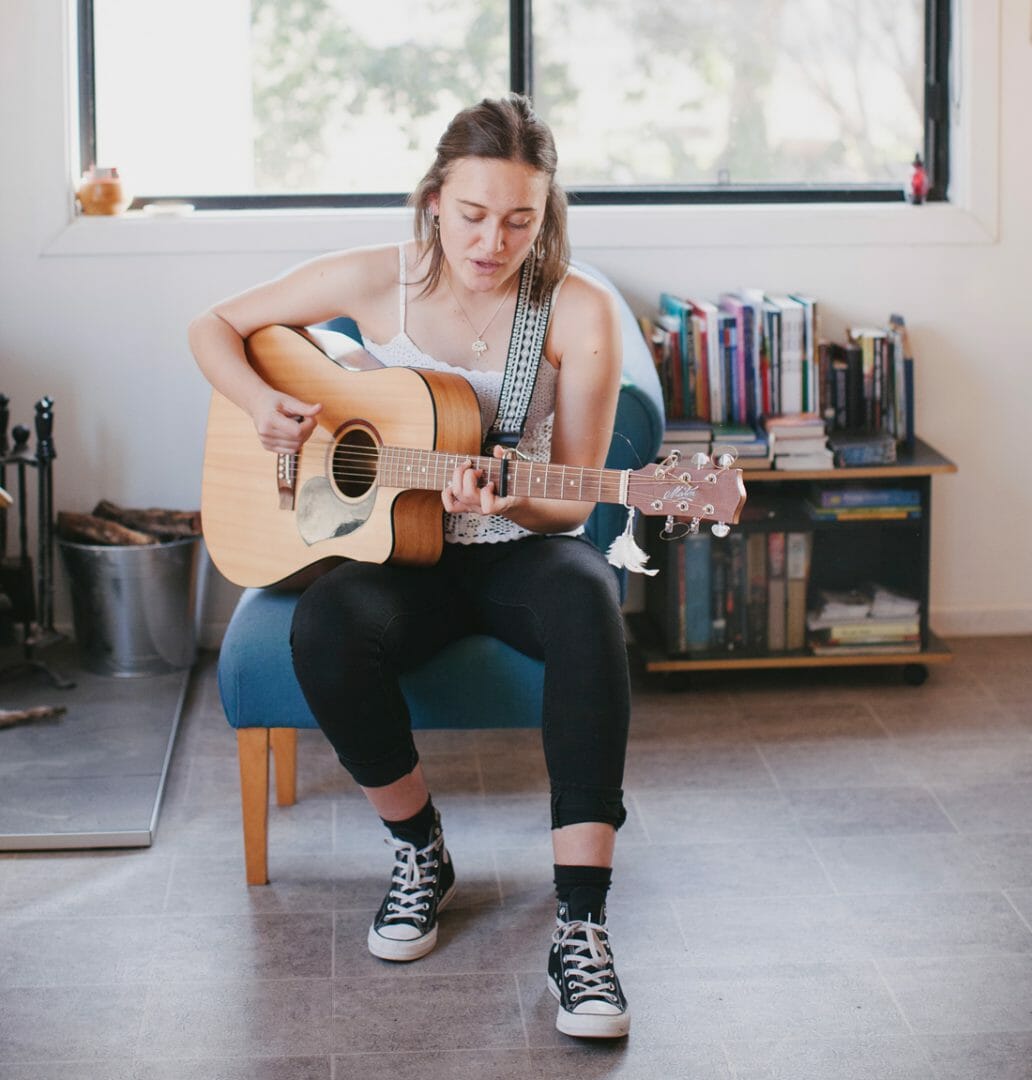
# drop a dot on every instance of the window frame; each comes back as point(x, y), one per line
point(936, 150)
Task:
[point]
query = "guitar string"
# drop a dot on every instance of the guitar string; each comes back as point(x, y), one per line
point(354, 464)
point(358, 453)
point(362, 458)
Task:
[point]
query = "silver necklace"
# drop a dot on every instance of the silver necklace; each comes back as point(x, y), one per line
point(479, 346)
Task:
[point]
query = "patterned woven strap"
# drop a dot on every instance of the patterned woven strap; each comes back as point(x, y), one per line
point(529, 326)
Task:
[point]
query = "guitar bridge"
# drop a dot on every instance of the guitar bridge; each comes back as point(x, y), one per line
point(286, 480)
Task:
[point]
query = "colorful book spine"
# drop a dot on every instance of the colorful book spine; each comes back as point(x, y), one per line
point(776, 592)
point(868, 496)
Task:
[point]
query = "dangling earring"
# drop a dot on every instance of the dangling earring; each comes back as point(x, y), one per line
point(539, 250)
point(437, 222)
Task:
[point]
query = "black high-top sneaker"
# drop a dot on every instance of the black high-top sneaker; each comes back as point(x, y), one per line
point(582, 976)
point(422, 882)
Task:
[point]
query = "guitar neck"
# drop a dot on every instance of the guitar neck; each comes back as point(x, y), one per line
point(430, 470)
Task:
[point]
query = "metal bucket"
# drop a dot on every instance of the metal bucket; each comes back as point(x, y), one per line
point(133, 607)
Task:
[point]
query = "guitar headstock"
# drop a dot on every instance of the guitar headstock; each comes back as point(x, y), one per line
point(706, 489)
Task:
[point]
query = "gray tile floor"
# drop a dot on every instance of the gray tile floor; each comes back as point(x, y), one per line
point(824, 876)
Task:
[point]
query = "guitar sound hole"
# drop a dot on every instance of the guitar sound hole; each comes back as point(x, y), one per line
point(354, 463)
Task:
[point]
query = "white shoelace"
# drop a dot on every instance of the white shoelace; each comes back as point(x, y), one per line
point(411, 881)
point(587, 961)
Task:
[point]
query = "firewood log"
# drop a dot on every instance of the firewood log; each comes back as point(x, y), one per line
point(88, 529)
point(10, 717)
point(165, 524)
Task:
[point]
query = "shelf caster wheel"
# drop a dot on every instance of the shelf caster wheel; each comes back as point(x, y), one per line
point(915, 674)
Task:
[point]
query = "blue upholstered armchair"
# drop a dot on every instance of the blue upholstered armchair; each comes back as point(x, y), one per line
point(263, 701)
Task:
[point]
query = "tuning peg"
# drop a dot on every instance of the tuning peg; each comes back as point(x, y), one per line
point(726, 460)
point(699, 460)
point(719, 529)
point(693, 527)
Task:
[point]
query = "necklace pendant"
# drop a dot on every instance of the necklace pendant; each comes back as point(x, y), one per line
point(479, 347)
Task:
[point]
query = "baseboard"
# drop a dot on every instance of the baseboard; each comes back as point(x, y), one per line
point(980, 622)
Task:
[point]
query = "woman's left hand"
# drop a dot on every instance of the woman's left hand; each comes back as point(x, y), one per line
point(468, 494)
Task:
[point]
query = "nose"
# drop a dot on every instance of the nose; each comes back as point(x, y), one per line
point(494, 236)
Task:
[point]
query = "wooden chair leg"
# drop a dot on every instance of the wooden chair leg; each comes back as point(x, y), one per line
point(253, 752)
point(284, 757)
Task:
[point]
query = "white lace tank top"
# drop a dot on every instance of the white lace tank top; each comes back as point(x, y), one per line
point(536, 443)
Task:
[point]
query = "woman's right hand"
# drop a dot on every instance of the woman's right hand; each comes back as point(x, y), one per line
point(283, 422)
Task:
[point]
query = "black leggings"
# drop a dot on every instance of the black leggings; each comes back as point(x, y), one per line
point(361, 625)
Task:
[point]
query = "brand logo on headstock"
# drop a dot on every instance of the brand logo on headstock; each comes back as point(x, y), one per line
point(683, 491)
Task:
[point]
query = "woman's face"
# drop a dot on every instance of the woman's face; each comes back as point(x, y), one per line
point(490, 213)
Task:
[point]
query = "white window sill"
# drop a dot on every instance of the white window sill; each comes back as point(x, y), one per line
point(594, 227)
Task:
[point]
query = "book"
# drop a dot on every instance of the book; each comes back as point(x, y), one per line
point(707, 314)
point(741, 363)
point(777, 594)
point(736, 592)
point(728, 371)
point(683, 362)
point(801, 446)
point(818, 460)
point(865, 496)
point(718, 592)
point(811, 389)
point(793, 353)
point(794, 426)
point(798, 546)
point(866, 649)
point(865, 513)
point(772, 342)
point(687, 436)
point(853, 419)
point(905, 376)
point(735, 434)
point(859, 450)
point(698, 623)
point(868, 628)
point(756, 598)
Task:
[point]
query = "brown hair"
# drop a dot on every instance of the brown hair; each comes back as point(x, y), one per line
point(506, 128)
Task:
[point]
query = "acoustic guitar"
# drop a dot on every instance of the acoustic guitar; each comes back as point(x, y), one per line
point(366, 484)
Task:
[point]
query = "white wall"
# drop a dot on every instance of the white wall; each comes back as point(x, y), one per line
point(93, 312)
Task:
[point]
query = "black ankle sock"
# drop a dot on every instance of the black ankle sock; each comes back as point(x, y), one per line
point(583, 889)
point(417, 829)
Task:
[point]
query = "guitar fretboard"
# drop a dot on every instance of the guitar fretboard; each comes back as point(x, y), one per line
point(399, 467)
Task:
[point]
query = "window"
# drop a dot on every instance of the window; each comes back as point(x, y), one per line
point(337, 102)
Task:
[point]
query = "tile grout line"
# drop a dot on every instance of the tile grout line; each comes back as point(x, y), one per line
point(1006, 893)
point(892, 996)
point(523, 1014)
point(835, 890)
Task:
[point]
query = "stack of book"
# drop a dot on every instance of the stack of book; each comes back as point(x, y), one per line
point(854, 502)
point(865, 621)
point(689, 436)
point(752, 448)
point(799, 442)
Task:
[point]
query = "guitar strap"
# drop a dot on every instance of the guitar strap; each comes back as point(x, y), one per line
point(529, 326)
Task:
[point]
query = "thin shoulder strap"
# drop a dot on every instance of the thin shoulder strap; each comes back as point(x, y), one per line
point(402, 290)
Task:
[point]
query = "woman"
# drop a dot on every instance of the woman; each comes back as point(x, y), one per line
point(490, 235)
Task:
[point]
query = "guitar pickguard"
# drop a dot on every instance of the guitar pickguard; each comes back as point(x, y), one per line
point(322, 515)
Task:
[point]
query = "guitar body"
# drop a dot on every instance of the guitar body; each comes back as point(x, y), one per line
point(262, 530)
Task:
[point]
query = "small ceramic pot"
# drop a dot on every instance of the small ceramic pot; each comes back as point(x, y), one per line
point(101, 191)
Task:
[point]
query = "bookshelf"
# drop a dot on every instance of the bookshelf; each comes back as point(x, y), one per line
point(841, 555)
